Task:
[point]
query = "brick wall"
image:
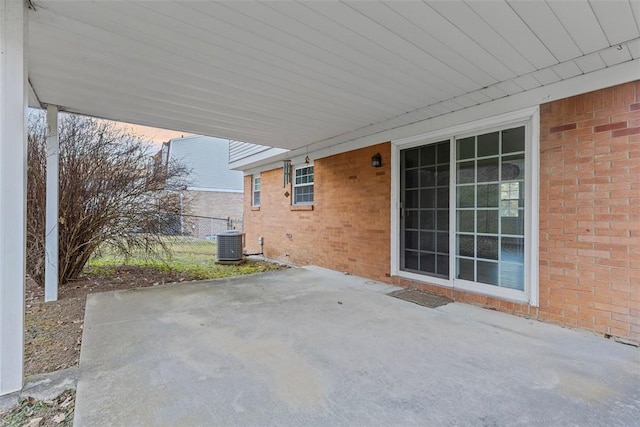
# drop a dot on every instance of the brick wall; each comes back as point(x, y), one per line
point(590, 211)
point(219, 204)
point(589, 216)
point(348, 228)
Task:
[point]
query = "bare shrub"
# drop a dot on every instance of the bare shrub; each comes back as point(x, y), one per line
point(110, 195)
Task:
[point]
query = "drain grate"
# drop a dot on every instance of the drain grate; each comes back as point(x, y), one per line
point(420, 298)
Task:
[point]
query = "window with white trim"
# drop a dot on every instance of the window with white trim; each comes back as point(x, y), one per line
point(255, 199)
point(464, 210)
point(303, 185)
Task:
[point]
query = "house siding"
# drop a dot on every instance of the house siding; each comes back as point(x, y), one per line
point(589, 273)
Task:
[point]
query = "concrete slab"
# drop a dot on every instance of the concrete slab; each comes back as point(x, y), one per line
point(316, 347)
point(51, 385)
point(42, 387)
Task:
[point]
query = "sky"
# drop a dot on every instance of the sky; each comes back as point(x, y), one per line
point(155, 135)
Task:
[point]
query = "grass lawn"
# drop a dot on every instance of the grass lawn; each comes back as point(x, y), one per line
point(193, 258)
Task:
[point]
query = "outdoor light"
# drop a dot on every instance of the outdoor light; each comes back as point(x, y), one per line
point(376, 161)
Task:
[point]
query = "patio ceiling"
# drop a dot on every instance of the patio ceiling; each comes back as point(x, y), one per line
point(291, 74)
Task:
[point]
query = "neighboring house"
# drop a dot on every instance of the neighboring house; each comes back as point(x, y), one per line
point(214, 192)
point(535, 212)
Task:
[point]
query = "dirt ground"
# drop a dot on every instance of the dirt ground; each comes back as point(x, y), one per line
point(53, 330)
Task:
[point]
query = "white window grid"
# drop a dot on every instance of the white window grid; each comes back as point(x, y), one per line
point(303, 185)
point(255, 200)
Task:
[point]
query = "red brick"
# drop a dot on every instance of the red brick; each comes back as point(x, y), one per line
point(611, 126)
point(625, 132)
point(563, 128)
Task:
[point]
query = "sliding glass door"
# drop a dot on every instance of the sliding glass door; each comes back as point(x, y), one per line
point(481, 210)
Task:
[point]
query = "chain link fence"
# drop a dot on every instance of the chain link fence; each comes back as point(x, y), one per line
point(197, 234)
point(189, 239)
point(207, 228)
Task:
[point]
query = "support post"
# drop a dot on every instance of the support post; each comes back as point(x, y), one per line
point(13, 182)
point(51, 228)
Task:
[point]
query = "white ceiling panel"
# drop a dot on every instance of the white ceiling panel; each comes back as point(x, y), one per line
point(581, 23)
point(615, 55)
point(502, 18)
point(617, 19)
point(567, 70)
point(467, 21)
point(295, 74)
point(590, 63)
point(527, 82)
point(541, 20)
point(434, 24)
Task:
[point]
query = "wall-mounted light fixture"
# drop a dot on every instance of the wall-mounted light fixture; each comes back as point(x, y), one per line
point(376, 161)
point(286, 172)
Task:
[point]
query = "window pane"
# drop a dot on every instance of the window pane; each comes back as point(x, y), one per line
point(466, 148)
point(442, 265)
point(466, 221)
point(466, 245)
point(427, 220)
point(428, 263)
point(427, 177)
point(513, 167)
point(427, 241)
point(488, 144)
point(488, 195)
point(512, 276)
point(411, 158)
point(443, 175)
point(488, 170)
point(443, 198)
point(513, 140)
point(443, 152)
point(442, 220)
point(411, 260)
point(411, 178)
point(303, 194)
point(465, 269)
point(488, 247)
point(442, 242)
point(411, 199)
point(428, 155)
point(487, 221)
point(466, 196)
point(512, 249)
point(489, 273)
point(466, 172)
point(412, 218)
point(427, 198)
point(513, 224)
point(411, 239)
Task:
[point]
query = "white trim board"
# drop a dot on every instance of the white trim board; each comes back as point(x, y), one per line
point(214, 190)
point(612, 76)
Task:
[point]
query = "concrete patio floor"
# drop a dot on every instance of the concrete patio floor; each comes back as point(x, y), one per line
point(310, 346)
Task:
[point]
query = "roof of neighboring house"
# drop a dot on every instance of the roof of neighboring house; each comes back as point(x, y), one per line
point(208, 159)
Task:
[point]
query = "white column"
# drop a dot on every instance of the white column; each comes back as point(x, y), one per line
point(13, 159)
point(51, 229)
